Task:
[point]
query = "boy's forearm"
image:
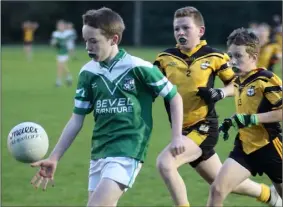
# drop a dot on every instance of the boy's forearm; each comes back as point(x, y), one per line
point(228, 90)
point(176, 110)
point(270, 117)
point(67, 137)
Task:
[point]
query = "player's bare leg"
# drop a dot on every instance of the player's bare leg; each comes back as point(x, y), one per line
point(209, 169)
point(28, 51)
point(69, 78)
point(72, 54)
point(228, 178)
point(168, 168)
point(60, 70)
point(107, 193)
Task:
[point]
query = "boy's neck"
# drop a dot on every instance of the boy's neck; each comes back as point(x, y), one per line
point(114, 52)
point(245, 75)
point(188, 50)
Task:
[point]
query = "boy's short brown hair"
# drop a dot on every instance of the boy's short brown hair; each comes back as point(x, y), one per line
point(243, 36)
point(190, 12)
point(108, 21)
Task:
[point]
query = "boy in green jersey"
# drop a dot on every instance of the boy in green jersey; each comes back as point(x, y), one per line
point(119, 90)
point(59, 40)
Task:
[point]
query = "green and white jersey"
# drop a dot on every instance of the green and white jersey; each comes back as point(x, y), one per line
point(71, 35)
point(60, 38)
point(121, 96)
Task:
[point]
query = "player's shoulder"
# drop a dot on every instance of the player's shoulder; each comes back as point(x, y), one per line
point(90, 67)
point(267, 78)
point(262, 72)
point(271, 44)
point(54, 33)
point(67, 32)
point(207, 50)
point(261, 75)
point(270, 77)
point(171, 51)
point(57, 34)
point(168, 55)
point(139, 62)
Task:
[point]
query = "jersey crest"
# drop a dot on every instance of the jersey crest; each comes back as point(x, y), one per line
point(251, 91)
point(129, 84)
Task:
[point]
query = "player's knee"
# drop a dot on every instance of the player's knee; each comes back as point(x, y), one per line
point(217, 190)
point(163, 164)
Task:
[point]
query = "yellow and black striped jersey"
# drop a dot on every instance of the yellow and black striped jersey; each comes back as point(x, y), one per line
point(269, 55)
point(278, 40)
point(28, 34)
point(260, 91)
point(190, 70)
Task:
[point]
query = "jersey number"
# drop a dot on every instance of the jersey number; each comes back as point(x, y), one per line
point(239, 102)
point(188, 73)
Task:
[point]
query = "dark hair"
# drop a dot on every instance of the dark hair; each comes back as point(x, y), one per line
point(108, 21)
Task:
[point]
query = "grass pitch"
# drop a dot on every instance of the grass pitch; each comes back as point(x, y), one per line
point(29, 94)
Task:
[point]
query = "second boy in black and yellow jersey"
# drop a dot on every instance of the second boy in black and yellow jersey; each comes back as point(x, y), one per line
point(189, 71)
point(259, 146)
point(28, 32)
point(269, 55)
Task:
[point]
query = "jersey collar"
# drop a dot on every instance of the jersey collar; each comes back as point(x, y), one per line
point(120, 55)
point(194, 50)
point(242, 79)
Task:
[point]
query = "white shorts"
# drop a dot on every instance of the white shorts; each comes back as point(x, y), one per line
point(120, 169)
point(70, 45)
point(62, 58)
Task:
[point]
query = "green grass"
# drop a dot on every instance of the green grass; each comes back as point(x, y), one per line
point(28, 94)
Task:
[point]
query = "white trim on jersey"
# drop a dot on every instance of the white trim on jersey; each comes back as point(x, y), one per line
point(160, 82)
point(82, 104)
point(116, 84)
point(167, 88)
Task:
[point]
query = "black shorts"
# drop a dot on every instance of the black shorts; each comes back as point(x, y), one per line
point(205, 135)
point(27, 43)
point(267, 159)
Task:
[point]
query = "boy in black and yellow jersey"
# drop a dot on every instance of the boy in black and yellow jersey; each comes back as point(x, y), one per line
point(258, 99)
point(28, 35)
point(270, 51)
point(192, 66)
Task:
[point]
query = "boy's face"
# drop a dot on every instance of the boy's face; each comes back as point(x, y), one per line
point(97, 45)
point(61, 26)
point(240, 60)
point(186, 32)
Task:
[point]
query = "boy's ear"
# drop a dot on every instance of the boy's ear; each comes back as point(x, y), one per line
point(201, 31)
point(254, 56)
point(115, 40)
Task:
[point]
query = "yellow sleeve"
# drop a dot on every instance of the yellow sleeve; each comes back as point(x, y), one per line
point(223, 71)
point(279, 41)
point(277, 51)
point(160, 63)
point(165, 60)
point(272, 91)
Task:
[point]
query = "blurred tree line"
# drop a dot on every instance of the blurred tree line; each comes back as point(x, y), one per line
point(220, 17)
